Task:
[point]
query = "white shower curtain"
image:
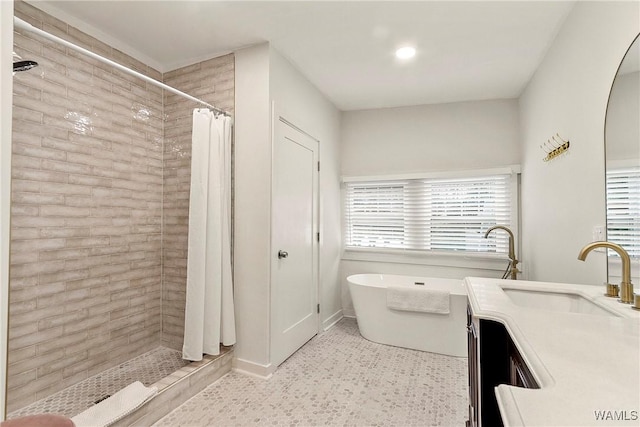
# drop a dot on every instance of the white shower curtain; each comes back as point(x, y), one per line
point(209, 313)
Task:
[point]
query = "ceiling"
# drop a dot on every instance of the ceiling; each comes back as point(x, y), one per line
point(465, 50)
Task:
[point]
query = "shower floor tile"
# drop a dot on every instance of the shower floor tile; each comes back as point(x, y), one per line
point(337, 379)
point(147, 368)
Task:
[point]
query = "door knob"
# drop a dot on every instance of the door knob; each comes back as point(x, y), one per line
point(282, 254)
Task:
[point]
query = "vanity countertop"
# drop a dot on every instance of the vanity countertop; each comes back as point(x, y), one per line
point(588, 366)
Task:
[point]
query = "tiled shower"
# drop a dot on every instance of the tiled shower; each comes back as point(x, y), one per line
point(212, 81)
point(100, 194)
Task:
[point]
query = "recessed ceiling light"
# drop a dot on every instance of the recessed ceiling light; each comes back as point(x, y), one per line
point(406, 52)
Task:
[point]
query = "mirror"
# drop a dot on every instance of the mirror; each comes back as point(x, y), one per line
point(622, 142)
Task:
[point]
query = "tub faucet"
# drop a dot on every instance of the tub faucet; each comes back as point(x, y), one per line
point(626, 287)
point(513, 270)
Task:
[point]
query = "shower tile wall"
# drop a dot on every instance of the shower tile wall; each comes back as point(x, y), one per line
point(213, 82)
point(85, 287)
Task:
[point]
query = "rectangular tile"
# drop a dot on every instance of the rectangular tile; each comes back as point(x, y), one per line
point(81, 128)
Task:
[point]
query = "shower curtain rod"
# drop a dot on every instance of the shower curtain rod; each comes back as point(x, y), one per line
point(19, 23)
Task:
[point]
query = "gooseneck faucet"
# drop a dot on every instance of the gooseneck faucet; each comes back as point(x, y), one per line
point(626, 287)
point(512, 252)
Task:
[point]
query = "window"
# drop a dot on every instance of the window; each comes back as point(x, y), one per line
point(430, 214)
point(623, 209)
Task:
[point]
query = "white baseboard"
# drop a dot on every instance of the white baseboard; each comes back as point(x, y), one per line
point(252, 369)
point(349, 313)
point(332, 320)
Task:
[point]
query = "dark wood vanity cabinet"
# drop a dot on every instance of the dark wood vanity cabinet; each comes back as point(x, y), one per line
point(519, 373)
point(472, 348)
point(493, 360)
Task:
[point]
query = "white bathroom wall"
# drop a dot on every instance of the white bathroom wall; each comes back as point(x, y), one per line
point(6, 90)
point(302, 104)
point(263, 76)
point(427, 138)
point(252, 221)
point(562, 200)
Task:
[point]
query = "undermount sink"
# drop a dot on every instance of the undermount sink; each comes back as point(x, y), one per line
point(556, 301)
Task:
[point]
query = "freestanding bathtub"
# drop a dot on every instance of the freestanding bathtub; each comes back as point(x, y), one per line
point(437, 333)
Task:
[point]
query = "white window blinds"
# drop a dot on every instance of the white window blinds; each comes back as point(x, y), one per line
point(429, 214)
point(375, 214)
point(623, 209)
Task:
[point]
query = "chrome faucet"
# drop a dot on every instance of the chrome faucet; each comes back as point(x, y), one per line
point(626, 287)
point(513, 270)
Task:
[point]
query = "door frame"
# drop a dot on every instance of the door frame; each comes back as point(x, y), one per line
point(6, 112)
point(278, 118)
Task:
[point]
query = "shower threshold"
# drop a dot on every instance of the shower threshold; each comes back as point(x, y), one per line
point(162, 368)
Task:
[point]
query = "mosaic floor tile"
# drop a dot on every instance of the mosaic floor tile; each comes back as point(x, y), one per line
point(337, 379)
point(147, 368)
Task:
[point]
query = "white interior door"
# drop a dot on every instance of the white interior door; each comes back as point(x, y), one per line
point(294, 272)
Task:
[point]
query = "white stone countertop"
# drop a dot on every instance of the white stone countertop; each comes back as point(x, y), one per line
point(587, 365)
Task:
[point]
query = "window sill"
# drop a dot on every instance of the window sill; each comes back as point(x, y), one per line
point(459, 260)
point(615, 269)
